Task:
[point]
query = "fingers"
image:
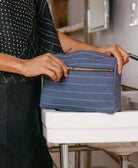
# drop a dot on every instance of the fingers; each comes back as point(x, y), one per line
point(124, 54)
point(117, 54)
point(62, 64)
point(120, 54)
point(51, 74)
point(56, 67)
point(58, 71)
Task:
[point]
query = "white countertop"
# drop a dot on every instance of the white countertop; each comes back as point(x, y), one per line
point(110, 131)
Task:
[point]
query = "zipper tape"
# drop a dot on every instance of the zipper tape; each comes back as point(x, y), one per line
point(89, 69)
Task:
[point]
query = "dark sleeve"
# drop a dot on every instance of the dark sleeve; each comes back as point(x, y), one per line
point(46, 33)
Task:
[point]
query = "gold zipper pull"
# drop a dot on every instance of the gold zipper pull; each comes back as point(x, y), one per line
point(89, 69)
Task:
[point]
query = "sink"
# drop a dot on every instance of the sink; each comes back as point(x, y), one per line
point(116, 132)
point(129, 104)
point(129, 100)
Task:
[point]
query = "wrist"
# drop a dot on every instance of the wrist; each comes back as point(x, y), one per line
point(21, 67)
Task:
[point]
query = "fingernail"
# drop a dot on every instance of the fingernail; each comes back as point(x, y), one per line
point(120, 72)
point(66, 75)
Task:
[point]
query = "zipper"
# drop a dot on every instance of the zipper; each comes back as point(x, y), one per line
point(90, 69)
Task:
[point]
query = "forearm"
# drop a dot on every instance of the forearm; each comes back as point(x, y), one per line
point(10, 63)
point(120, 54)
point(68, 42)
point(46, 64)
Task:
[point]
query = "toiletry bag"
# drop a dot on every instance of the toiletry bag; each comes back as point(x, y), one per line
point(93, 84)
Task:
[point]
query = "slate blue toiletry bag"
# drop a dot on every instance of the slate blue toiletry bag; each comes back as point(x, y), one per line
point(93, 84)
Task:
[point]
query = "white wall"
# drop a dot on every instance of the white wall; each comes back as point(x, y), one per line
point(119, 33)
point(76, 15)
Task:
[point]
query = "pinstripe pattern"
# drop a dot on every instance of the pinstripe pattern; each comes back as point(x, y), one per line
point(28, 34)
point(84, 90)
point(65, 107)
point(46, 34)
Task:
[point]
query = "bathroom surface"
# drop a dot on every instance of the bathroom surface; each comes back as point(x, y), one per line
point(115, 133)
point(59, 120)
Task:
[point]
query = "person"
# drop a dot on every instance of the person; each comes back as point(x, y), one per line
point(28, 40)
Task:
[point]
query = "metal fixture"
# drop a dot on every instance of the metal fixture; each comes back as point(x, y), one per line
point(124, 161)
point(64, 156)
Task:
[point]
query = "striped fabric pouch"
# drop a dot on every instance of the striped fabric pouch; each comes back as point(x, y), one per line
point(93, 84)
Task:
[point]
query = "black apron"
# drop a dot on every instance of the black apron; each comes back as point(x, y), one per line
point(21, 142)
point(26, 31)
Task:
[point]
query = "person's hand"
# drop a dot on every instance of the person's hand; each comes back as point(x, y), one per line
point(46, 64)
point(120, 54)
